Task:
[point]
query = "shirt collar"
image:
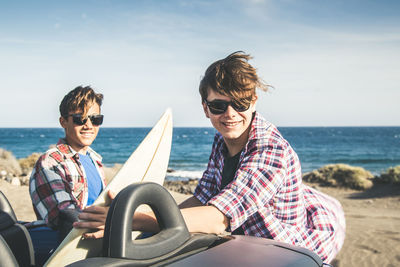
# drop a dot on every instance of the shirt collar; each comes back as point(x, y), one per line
point(69, 152)
point(258, 127)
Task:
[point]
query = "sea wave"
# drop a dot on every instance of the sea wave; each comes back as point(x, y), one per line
point(184, 175)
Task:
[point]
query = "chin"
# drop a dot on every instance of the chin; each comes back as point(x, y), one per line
point(86, 142)
point(228, 135)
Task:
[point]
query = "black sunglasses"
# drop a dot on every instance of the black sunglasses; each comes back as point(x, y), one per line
point(220, 106)
point(95, 119)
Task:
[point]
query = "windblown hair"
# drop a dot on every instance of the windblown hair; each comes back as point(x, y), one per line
point(232, 76)
point(79, 99)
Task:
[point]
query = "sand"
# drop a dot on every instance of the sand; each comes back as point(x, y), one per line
point(372, 218)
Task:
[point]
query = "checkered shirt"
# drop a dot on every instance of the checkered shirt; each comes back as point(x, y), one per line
point(58, 181)
point(267, 197)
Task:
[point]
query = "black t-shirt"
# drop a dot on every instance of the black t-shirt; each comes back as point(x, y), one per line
point(229, 170)
point(228, 173)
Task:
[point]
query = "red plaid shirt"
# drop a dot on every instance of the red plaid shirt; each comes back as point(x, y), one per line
point(58, 181)
point(267, 197)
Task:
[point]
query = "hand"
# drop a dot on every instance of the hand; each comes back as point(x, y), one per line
point(94, 217)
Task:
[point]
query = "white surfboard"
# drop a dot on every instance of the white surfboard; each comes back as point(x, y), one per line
point(148, 163)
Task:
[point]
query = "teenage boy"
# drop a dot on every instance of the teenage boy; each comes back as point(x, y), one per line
point(253, 182)
point(254, 176)
point(70, 176)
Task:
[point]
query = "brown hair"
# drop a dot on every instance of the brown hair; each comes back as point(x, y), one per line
point(80, 98)
point(232, 76)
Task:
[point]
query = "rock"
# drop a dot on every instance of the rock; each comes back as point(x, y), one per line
point(9, 177)
point(15, 181)
point(3, 174)
point(25, 180)
point(183, 187)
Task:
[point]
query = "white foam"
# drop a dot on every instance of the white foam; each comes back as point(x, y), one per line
point(186, 174)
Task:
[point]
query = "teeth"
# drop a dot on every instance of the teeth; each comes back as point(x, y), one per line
point(230, 123)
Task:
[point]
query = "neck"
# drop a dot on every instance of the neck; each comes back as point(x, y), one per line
point(234, 146)
point(77, 148)
point(80, 150)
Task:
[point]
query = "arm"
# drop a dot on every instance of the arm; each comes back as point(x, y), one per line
point(198, 218)
point(203, 218)
point(49, 191)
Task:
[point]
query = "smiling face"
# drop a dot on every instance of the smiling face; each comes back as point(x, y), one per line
point(234, 126)
point(80, 137)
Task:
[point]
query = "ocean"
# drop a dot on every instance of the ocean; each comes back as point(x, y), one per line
point(373, 148)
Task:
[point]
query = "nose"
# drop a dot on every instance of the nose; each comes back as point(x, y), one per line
point(88, 123)
point(230, 112)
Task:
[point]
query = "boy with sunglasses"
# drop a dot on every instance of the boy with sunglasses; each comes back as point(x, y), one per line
point(253, 183)
point(254, 176)
point(69, 176)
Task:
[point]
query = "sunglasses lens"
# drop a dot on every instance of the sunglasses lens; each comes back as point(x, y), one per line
point(218, 106)
point(77, 119)
point(239, 107)
point(96, 119)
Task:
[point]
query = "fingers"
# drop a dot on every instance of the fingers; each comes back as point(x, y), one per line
point(94, 235)
point(89, 225)
point(93, 217)
point(96, 210)
point(111, 194)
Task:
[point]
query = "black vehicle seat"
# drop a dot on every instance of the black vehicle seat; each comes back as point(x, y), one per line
point(15, 235)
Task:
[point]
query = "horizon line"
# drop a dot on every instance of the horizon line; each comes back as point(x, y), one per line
point(210, 127)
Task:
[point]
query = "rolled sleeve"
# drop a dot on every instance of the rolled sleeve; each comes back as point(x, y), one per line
point(232, 206)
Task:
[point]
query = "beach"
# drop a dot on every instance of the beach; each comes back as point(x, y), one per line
point(372, 221)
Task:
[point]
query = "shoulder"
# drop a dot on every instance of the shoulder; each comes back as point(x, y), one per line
point(267, 145)
point(218, 142)
point(52, 157)
point(264, 134)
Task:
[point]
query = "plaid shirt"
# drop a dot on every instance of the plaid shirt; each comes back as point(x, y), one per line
point(267, 197)
point(58, 181)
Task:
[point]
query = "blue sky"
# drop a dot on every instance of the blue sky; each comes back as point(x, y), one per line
point(332, 63)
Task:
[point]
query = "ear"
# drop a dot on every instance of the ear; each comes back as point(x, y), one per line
point(253, 104)
point(63, 122)
point(205, 109)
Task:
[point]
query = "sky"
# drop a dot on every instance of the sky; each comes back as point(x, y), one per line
point(331, 63)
